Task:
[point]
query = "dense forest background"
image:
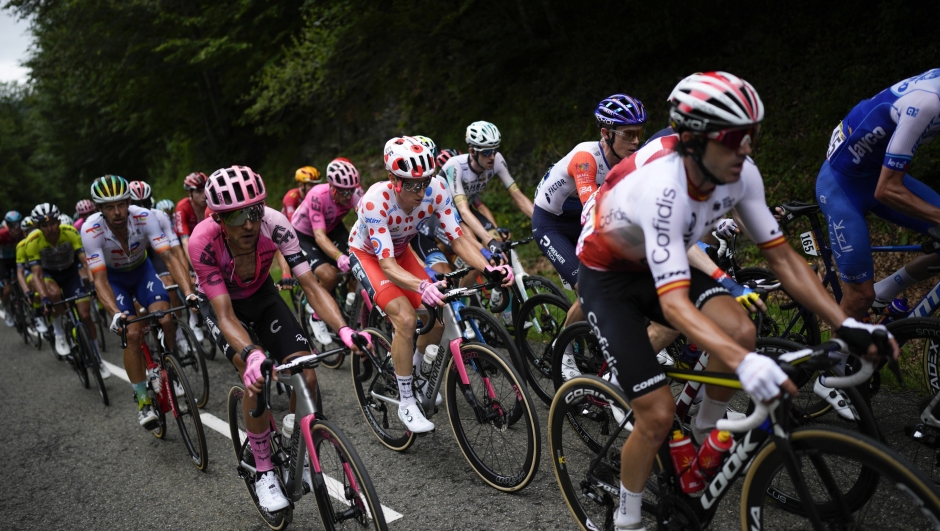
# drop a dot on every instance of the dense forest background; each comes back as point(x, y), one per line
point(155, 89)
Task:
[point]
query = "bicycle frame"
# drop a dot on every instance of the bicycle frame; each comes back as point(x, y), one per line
point(163, 394)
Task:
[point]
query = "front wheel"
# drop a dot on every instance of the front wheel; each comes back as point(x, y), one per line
point(92, 360)
point(193, 363)
point(539, 322)
point(346, 498)
point(77, 357)
point(503, 451)
point(186, 412)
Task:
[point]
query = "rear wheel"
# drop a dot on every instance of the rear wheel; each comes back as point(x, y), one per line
point(92, 360)
point(785, 318)
point(77, 357)
point(539, 323)
point(99, 316)
point(535, 284)
point(187, 413)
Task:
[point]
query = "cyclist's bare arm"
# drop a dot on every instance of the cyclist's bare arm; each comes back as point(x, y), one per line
point(522, 201)
point(487, 213)
point(324, 243)
point(84, 271)
point(282, 263)
point(699, 260)
point(892, 192)
point(469, 250)
point(321, 300)
point(184, 243)
point(179, 271)
point(21, 278)
point(471, 221)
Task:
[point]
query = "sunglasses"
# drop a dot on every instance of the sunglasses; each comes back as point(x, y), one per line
point(635, 134)
point(735, 138)
point(344, 192)
point(237, 218)
point(415, 186)
point(486, 152)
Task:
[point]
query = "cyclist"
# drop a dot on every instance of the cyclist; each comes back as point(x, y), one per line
point(116, 240)
point(10, 235)
point(431, 243)
point(865, 170)
point(320, 230)
point(306, 177)
point(390, 213)
point(56, 256)
point(24, 277)
point(633, 250)
point(234, 251)
point(190, 210)
point(167, 206)
point(83, 209)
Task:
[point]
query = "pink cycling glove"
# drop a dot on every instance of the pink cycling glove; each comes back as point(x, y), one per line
point(346, 335)
point(504, 270)
point(342, 262)
point(430, 292)
point(253, 367)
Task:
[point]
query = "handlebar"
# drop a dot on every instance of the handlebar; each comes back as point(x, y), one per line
point(159, 314)
point(73, 299)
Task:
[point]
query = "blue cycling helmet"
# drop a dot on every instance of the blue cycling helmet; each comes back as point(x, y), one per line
point(13, 217)
point(620, 109)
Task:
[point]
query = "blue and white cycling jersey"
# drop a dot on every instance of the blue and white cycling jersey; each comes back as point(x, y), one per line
point(887, 129)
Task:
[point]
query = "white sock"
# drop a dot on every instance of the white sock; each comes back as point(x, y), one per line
point(193, 320)
point(630, 504)
point(889, 288)
point(405, 392)
point(709, 412)
point(416, 361)
point(57, 326)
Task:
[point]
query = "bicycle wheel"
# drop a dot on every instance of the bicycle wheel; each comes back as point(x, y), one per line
point(828, 460)
point(346, 498)
point(585, 350)
point(535, 284)
point(92, 359)
point(504, 453)
point(101, 324)
point(483, 327)
point(77, 357)
point(372, 384)
point(187, 413)
point(585, 420)
point(785, 318)
point(193, 363)
point(538, 324)
point(246, 462)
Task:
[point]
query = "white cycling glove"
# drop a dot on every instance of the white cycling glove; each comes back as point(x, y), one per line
point(760, 376)
point(725, 228)
point(117, 322)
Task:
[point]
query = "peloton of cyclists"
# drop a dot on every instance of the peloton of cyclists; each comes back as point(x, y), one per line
point(10, 235)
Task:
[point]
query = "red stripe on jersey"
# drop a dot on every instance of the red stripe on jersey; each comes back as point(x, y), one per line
point(780, 240)
point(666, 288)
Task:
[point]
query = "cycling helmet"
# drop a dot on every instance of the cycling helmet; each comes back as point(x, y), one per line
point(45, 212)
point(109, 189)
point(445, 155)
point(234, 188)
point(342, 174)
point(166, 205)
point(194, 181)
point(406, 158)
point(65, 219)
point(307, 174)
point(483, 135)
point(620, 109)
point(85, 207)
point(28, 224)
point(428, 143)
point(139, 190)
point(714, 101)
point(13, 217)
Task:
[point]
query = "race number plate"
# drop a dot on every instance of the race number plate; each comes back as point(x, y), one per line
point(809, 243)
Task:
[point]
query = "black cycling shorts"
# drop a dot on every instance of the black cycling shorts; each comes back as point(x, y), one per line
point(7, 270)
point(340, 238)
point(267, 315)
point(617, 305)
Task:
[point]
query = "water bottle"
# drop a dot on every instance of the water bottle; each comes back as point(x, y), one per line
point(430, 354)
point(350, 300)
point(683, 456)
point(897, 309)
point(713, 452)
point(287, 426)
point(154, 375)
point(689, 355)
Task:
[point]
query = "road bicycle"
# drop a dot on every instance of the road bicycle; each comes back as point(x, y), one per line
point(853, 480)
point(489, 408)
point(354, 307)
point(345, 496)
point(540, 321)
point(24, 315)
point(83, 357)
point(168, 387)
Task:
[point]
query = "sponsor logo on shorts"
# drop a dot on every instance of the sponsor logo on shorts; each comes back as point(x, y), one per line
point(649, 383)
point(273, 325)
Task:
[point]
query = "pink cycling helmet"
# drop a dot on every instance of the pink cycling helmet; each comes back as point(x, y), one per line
point(85, 207)
point(234, 188)
point(342, 174)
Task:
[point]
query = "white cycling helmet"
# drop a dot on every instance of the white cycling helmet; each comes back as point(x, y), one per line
point(483, 135)
point(45, 212)
point(407, 158)
point(65, 219)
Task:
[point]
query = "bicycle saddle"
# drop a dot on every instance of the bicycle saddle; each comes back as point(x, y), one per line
point(798, 208)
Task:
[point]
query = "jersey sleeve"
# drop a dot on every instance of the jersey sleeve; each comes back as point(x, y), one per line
point(374, 214)
point(444, 210)
point(453, 175)
point(93, 242)
point(158, 240)
point(21, 253)
point(583, 169)
point(502, 170)
point(205, 260)
point(167, 227)
point(664, 214)
point(758, 221)
point(916, 112)
point(285, 237)
point(73, 237)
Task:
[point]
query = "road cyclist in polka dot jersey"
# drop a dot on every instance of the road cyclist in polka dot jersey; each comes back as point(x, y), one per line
point(390, 214)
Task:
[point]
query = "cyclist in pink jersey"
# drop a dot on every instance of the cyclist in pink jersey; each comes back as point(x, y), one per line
point(232, 255)
point(390, 214)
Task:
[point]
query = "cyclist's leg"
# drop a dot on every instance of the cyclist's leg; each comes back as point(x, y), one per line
point(429, 253)
point(163, 272)
point(152, 295)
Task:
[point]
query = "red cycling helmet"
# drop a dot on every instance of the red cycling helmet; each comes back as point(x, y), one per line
point(194, 181)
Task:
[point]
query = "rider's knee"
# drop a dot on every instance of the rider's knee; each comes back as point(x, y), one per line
point(404, 321)
point(133, 336)
point(326, 274)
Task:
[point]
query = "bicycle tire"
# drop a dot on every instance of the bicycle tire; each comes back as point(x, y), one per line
point(101, 323)
point(535, 284)
point(538, 324)
point(381, 416)
point(92, 360)
point(587, 353)
point(194, 363)
point(380, 322)
point(494, 335)
point(782, 311)
point(903, 497)
point(238, 434)
point(77, 356)
point(192, 431)
point(342, 477)
point(488, 372)
point(160, 431)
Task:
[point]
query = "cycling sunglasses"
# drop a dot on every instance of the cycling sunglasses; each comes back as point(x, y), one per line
point(485, 152)
point(237, 218)
point(415, 185)
point(735, 138)
point(636, 134)
point(345, 192)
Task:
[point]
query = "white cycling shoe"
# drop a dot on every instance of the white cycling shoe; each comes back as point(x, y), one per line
point(103, 369)
point(665, 359)
point(320, 332)
point(438, 400)
point(268, 490)
point(569, 369)
point(414, 420)
point(62, 346)
point(836, 399)
point(41, 325)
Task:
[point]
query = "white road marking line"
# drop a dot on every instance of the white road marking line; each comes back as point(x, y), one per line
point(216, 424)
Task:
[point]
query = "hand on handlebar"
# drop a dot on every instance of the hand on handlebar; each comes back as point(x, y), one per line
point(726, 228)
point(505, 234)
point(348, 337)
point(762, 378)
point(495, 246)
point(192, 300)
point(503, 271)
point(252, 377)
point(46, 305)
point(431, 293)
point(286, 283)
point(858, 336)
point(117, 322)
point(342, 262)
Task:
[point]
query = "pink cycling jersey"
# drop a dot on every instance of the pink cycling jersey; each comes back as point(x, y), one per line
point(384, 227)
point(78, 223)
point(215, 266)
point(319, 211)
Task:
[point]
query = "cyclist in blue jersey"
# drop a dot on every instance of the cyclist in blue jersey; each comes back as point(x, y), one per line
point(865, 171)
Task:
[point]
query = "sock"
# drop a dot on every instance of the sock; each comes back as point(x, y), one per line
point(405, 392)
point(261, 449)
point(57, 326)
point(708, 414)
point(416, 361)
point(889, 288)
point(629, 511)
point(140, 388)
point(193, 320)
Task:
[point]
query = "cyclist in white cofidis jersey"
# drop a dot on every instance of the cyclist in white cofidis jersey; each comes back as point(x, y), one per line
point(390, 214)
point(634, 268)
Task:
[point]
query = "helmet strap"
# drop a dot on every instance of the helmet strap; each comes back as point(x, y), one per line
point(609, 140)
point(476, 158)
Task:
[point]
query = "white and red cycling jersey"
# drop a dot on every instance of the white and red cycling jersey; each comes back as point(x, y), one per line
point(319, 211)
point(570, 182)
point(384, 228)
point(464, 181)
point(166, 226)
point(184, 218)
point(648, 219)
point(105, 250)
point(215, 266)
